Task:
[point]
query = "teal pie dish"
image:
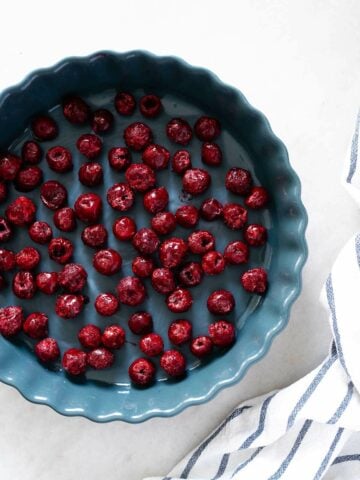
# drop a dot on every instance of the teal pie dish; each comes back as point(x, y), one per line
point(247, 141)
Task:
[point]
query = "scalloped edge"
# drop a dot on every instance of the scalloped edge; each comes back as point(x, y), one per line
point(26, 388)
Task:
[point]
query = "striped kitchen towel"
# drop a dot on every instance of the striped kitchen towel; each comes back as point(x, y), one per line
point(311, 429)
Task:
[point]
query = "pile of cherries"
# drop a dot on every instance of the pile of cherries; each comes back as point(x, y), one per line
point(164, 261)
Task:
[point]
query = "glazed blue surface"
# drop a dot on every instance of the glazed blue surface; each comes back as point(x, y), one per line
point(246, 141)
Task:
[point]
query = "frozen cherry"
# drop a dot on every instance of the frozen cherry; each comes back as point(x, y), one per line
point(137, 136)
point(181, 161)
point(53, 194)
point(88, 207)
point(257, 198)
point(140, 323)
point(131, 291)
point(156, 200)
point(89, 145)
point(140, 177)
point(106, 304)
point(201, 241)
point(59, 159)
point(207, 128)
point(107, 261)
point(142, 371)
point(152, 344)
point(47, 350)
point(163, 223)
point(91, 174)
point(21, 211)
point(211, 154)
point(72, 277)
point(119, 158)
point(27, 258)
point(221, 302)
point(191, 274)
point(180, 300)
point(28, 179)
point(125, 103)
point(187, 216)
point(173, 252)
point(150, 105)
point(236, 252)
point(40, 232)
point(238, 181)
point(47, 282)
point(179, 131)
point(213, 263)
point(180, 332)
point(36, 325)
point(65, 219)
point(44, 128)
point(31, 152)
point(100, 358)
point(76, 110)
point(163, 280)
point(173, 363)
point(113, 337)
point(124, 228)
point(24, 285)
point(3, 191)
point(69, 305)
point(94, 236)
point(142, 266)
point(255, 235)
point(102, 120)
point(235, 216)
point(156, 156)
point(90, 336)
point(120, 197)
point(195, 181)
point(146, 241)
point(11, 320)
point(74, 361)
point(254, 280)
point(9, 167)
point(201, 346)
point(222, 333)
point(7, 260)
point(211, 209)
point(60, 250)
point(5, 230)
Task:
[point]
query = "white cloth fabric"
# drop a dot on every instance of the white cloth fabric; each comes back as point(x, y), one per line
point(311, 429)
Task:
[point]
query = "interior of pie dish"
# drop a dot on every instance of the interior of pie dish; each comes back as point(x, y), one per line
point(246, 141)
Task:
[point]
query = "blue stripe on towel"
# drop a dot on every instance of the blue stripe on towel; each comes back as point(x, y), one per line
point(333, 350)
point(327, 457)
point(246, 444)
point(261, 425)
point(310, 390)
point(354, 151)
point(347, 458)
point(250, 459)
point(195, 456)
point(222, 466)
point(294, 449)
point(331, 302)
point(343, 405)
point(357, 248)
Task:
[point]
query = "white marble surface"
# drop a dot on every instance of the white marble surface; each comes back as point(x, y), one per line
point(299, 62)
